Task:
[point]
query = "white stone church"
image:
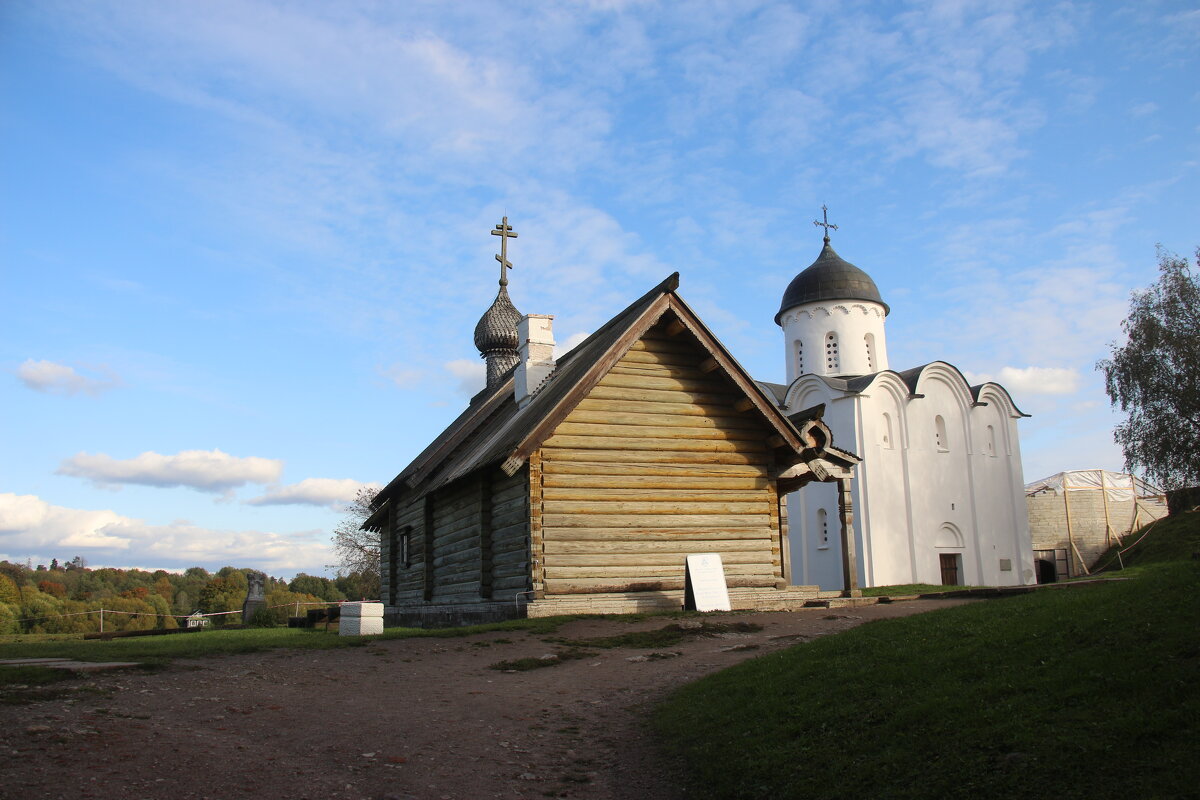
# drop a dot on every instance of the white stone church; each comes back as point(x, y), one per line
point(939, 495)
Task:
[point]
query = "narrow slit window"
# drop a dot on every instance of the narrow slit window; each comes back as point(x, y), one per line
point(823, 524)
point(939, 434)
point(991, 441)
point(799, 357)
point(886, 437)
point(869, 341)
point(832, 362)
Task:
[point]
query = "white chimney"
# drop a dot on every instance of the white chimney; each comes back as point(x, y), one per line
point(535, 336)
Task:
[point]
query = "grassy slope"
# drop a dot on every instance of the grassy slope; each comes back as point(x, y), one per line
point(1172, 539)
point(1086, 691)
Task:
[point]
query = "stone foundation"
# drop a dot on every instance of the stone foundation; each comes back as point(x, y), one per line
point(741, 599)
point(453, 615)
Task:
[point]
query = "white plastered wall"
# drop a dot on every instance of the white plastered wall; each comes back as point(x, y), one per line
point(908, 492)
point(852, 321)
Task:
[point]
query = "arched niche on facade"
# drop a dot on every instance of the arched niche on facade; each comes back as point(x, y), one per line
point(949, 537)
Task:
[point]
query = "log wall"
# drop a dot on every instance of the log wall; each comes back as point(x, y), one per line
point(468, 542)
point(655, 463)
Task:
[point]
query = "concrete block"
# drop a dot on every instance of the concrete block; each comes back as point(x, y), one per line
point(360, 626)
point(362, 610)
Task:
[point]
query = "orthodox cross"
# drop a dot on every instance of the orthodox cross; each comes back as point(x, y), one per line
point(826, 224)
point(505, 232)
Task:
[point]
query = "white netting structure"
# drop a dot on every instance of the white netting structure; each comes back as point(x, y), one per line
point(1117, 486)
point(1083, 512)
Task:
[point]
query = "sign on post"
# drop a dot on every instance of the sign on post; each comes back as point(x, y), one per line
point(704, 587)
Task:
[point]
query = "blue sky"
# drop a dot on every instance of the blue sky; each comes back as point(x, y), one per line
point(244, 244)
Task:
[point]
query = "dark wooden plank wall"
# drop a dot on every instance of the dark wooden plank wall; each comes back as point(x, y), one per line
point(654, 464)
point(510, 534)
point(477, 531)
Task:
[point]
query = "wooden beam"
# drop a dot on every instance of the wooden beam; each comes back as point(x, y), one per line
point(709, 364)
point(675, 327)
point(744, 404)
point(849, 559)
point(427, 555)
point(485, 535)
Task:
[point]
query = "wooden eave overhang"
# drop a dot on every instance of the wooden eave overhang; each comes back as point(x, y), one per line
point(378, 519)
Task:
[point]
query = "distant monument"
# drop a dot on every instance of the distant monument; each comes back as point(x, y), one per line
point(256, 597)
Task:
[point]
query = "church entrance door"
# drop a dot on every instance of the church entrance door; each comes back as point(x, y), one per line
point(951, 564)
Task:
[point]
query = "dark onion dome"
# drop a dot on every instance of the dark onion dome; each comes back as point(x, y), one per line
point(830, 277)
point(497, 328)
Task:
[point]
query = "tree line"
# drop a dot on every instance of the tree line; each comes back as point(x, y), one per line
point(54, 598)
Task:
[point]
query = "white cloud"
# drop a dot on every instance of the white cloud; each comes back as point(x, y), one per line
point(569, 344)
point(471, 375)
point(203, 470)
point(1142, 109)
point(331, 492)
point(40, 524)
point(1032, 380)
point(403, 377)
point(29, 524)
point(47, 376)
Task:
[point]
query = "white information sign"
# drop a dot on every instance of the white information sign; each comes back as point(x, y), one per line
point(706, 588)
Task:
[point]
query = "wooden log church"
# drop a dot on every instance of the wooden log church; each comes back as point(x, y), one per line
point(581, 485)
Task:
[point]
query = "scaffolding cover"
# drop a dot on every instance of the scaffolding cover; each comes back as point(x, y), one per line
point(1117, 486)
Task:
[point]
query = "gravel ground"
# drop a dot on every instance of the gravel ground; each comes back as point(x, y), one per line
point(407, 718)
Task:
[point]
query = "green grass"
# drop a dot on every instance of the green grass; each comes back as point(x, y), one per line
point(1089, 691)
point(32, 684)
point(1175, 538)
point(158, 650)
point(551, 660)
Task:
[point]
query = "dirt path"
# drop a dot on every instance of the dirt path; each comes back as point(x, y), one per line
point(411, 718)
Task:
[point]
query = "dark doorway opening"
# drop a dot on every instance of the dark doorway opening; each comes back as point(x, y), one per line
point(951, 564)
point(1051, 565)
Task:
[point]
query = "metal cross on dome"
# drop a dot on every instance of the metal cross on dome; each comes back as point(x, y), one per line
point(826, 224)
point(505, 232)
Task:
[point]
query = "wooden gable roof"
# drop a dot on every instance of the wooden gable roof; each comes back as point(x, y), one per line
point(493, 430)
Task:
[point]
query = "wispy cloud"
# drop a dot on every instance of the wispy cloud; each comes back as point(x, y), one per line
point(471, 375)
point(402, 377)
point(54, 378)
point(1032, 380)
point(565, 346)
point(203, 470)
point(329, 492)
